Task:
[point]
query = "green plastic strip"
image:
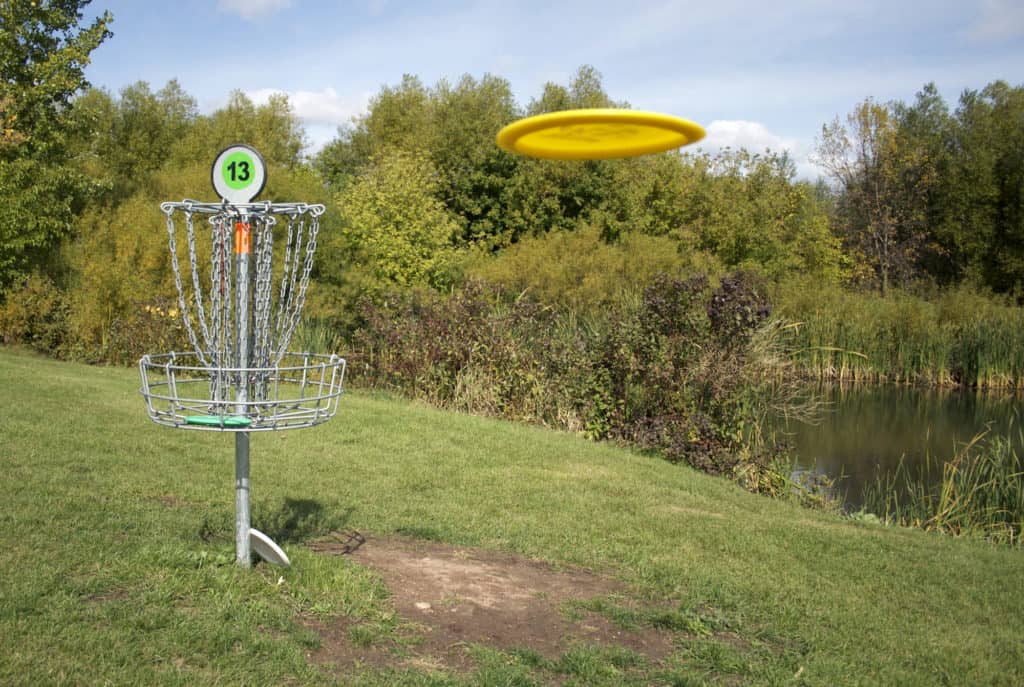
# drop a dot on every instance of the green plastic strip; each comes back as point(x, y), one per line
point(218, 421)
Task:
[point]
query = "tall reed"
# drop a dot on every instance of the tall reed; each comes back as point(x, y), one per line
point(958, 338)
point(980, 491)
point(316, 336)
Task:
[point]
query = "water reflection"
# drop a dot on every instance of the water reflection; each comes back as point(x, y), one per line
point(866, 429)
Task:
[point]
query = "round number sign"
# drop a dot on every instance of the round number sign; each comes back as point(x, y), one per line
point(239, 174)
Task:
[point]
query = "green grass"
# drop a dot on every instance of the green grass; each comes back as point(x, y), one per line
point(115, 550)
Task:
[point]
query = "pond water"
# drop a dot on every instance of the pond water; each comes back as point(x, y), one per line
point(865, 430)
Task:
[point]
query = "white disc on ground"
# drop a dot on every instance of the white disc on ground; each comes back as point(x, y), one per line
point(265, 547)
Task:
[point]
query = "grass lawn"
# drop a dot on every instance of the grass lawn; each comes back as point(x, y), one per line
point(116, 554)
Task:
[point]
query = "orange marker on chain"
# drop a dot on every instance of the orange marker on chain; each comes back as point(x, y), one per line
point(243, 238)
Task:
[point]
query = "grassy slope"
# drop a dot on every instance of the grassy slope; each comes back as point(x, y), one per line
point(105, 576)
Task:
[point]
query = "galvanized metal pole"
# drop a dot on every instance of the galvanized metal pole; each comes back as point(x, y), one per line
point(242, 543)
point(242, 524)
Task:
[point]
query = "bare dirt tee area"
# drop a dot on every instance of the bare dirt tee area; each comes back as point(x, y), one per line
point(457, 597)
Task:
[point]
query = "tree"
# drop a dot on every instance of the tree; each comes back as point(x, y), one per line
point(473, 169)
point(43, 55)
point(879, 206)
point(986, 223)
point(394, 231)
point(922, 192)
point(398, 118)
point(585, 90)
point(746, 210)
point(495, 196)
point(926, 127)
point(272, 128)
point(647, 195)
point(126, 141)
point(546, 195)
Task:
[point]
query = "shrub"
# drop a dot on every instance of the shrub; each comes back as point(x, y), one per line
point(35, 314)
point(153, 327)
point(580, 270)
point(672, 370)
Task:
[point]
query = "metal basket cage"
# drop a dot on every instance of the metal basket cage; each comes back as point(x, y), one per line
point(302, 390)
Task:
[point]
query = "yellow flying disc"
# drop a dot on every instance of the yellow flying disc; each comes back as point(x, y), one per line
point(597, 134)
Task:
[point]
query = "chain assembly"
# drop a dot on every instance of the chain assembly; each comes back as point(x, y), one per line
point(271, 332)
point(240, 311)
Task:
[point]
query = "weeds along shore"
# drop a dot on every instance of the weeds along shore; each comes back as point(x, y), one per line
point(958, 338)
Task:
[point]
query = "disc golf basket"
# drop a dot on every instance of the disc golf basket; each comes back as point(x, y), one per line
point(240, 308)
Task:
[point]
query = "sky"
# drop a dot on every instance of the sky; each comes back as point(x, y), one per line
point(765, 75)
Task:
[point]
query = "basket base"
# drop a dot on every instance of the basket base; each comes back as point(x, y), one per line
point(301, 391)
point(231, 421)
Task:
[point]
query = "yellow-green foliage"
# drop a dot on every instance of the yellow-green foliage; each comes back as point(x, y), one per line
point(35, 314)
point(122, 265)
point(579, 270)
point(746, 210)
point(271, 128)
point(393, 227)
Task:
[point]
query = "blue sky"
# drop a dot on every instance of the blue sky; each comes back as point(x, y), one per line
point(758, 75)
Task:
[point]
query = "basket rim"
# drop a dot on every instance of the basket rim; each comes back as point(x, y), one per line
point(301, 395)
point(168, 361)
point(248, 209)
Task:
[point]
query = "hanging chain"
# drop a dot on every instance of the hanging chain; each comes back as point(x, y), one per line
point(271, 334)
point(314, 229)
point(286, 293)
point(230, 287)
point(220, 299)
point(262, 296)
point(300, 293)
point(185, 312)
point(263, 288)
point(296, 238)
point(197, 290)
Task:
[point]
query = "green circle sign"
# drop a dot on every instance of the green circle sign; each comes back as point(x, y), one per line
point(238, 174)
point(238, 170)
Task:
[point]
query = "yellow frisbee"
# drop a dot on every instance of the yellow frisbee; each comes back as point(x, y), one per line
point(597, 134)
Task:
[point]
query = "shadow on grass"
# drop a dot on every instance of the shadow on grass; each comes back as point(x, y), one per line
point(290, 520)
point(297, 520)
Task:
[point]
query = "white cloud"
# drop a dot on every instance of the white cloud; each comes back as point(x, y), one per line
point(318, 107)
point(756, 138)
point(252, 9)
point(739, 133)
point(998, 20)
point(808, 171)
point(321, 112)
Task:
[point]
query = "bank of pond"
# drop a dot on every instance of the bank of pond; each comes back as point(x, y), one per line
point(945, 459)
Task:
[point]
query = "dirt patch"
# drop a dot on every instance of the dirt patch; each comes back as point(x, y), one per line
point(459, 596)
